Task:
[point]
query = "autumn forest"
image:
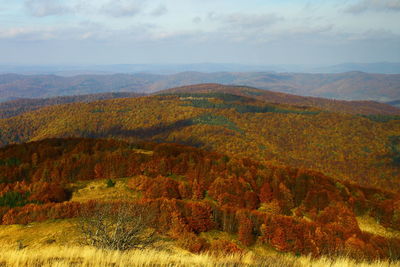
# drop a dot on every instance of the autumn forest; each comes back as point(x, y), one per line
point(223, 169)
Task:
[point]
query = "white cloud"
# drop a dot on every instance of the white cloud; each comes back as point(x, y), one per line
point(197, 20)
point(84, 31)
point(159, 11)
point(373, 35)
point(374, 5)
point(246, 21)
point(122, 8)
point(44, 8)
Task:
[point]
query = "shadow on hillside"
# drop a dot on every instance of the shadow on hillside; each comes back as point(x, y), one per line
point(149, 133)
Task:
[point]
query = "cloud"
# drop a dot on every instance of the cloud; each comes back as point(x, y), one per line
point(84, 31)
point(197, 20)
point(247, 21)
point(27, 33)
point(122, 8)
point(159, 11)
point(377, 35)
point(44, 8)
point(374, 5)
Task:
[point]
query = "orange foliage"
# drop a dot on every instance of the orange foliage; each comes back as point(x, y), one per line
point(245, 231)
point(193, 191)
point(224, 247)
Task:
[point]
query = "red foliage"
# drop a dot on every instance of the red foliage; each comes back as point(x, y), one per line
point(178, 226)
point(224, 247)
point(47, 192)
point(198, 190)
point(233, 184)
point(266, 193)
point(33, 213)
point(341, 220)
point(193, 243)
point(355, 247)
point(318, 199)
point(185, 191)
point(279, 240)
point(162, 187)
point(199, 216)
point(245, 231)
point(251, 200)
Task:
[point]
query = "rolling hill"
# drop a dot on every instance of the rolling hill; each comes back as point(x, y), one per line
point(340, 106)
point(15, 107)
point(19, 106)
point(347, 86)
point(347, 146)
point(218, 169)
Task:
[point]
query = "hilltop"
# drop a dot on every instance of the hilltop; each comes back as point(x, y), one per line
point(361, 148)
point(340, 106)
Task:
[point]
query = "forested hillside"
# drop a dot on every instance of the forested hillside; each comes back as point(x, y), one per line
point(19, 106)
point(340, 106)
point(360, 148)
point(193, 192)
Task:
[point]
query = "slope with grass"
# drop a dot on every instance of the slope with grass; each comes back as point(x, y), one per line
point(86, 256)
point(202, 201)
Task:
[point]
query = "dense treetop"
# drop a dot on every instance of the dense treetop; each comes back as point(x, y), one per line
point(346, 146)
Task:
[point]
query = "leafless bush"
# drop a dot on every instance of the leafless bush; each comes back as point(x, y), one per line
point(116, 226)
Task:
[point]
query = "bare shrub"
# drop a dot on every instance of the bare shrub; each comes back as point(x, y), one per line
point(116, 226)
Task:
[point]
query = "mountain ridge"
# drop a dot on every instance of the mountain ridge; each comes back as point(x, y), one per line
point(345, 86)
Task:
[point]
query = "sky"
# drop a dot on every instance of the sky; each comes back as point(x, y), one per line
point(258, 32)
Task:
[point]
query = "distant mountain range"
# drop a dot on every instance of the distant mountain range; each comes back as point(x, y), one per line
point(71, 70)
point(395, 103)
point(344, 86)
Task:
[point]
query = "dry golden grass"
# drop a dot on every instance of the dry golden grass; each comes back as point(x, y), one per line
point(142, 151)
point(98, 190)
point(87, 256)
point(38, 235)
point(56, 243)
point(370, 225)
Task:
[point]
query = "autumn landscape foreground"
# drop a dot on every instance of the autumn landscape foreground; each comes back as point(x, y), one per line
point(200, 175)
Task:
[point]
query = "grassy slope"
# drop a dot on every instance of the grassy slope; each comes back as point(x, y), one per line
point(56, 243)
point(85, 256)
